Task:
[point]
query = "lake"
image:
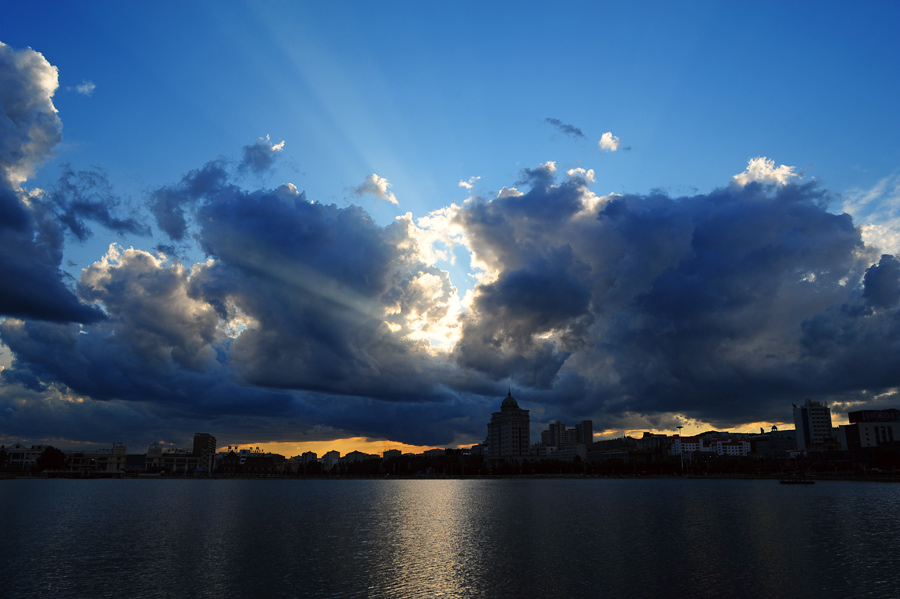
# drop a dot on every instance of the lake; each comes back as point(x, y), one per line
point(448, 538)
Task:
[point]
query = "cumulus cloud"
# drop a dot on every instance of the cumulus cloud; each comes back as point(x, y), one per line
point(29, 125)
point(565, 127)
point(379, 187)
point(609, 142)
point(298, 296)
point(31, 235)
point(763, 170)
point(882, 283)
point(721, 307)
point(587, 175)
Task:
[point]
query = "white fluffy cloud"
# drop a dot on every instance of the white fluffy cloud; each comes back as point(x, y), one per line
point(587, 175)
point(763, 170)
point(379, 187)
point(609, 142)
point(29, 124)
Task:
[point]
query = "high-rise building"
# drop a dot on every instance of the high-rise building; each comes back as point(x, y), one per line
point(509, 433)
point(584, 433)
point(813, 423)
point(205, 449)
point(556, 434)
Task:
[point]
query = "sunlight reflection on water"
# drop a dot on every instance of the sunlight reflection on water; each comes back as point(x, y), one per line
point(447, 538)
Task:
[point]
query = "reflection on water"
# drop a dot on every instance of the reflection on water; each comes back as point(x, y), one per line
point(447, 538)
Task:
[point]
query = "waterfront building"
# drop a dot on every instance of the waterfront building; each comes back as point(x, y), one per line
point(330, 459)
point(812, 420)
point(21, 458)
point(87, 463)
point(870, 428)
point(774, 444)
point(569, 452)
point(391, 453)
point(205, 450)
point(252, 463)
point(509, 434)
point(358, 456)
point(175, 460)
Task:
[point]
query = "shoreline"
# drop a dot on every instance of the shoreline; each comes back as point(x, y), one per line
point(885, 478)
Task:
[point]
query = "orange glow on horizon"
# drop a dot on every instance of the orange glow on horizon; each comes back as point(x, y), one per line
point(695, 428)
point(364, 444)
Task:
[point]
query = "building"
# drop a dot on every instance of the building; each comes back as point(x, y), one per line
point(330, 459)
point(813, 425)
point(252, 462)
point(775, 444)
point(870, 428)
point(687, 445)
point(584, 433)
point(358, 456)
point(509, 431)
point(171, 460)
point(205, 449)
point(556, 434)
point(730, 447)
point(98, 461)
point(21, 458)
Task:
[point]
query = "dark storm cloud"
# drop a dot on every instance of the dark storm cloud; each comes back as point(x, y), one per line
point(721, 306)
point(305, 285)
point(316, 279)
point(171, 205)
point(565, 127)
point(882, 283)
point(31, 237)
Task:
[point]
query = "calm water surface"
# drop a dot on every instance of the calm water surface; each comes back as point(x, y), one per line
point(447, 538)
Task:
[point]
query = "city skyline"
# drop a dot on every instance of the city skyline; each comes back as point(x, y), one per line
point(314, 226)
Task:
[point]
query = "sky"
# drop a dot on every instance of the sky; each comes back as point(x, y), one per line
point(305, 225)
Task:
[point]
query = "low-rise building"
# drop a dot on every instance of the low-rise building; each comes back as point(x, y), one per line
point(171, 460)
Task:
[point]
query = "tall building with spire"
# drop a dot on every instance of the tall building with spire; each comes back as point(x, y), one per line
point(509, 431)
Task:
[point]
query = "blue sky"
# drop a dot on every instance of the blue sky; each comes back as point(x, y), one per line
point(389, 108)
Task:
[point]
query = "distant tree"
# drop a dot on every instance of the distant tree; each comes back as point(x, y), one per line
point(4, 458)
point(50, 459)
